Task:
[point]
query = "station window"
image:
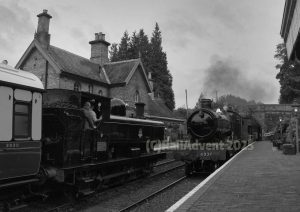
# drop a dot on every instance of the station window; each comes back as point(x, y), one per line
point(22, 120)
point(137, 96)
point(77, 86)
point(90, 88)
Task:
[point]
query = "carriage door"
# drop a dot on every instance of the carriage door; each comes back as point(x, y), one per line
point(20, 155)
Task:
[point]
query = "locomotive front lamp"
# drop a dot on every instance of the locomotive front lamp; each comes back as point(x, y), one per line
point(295, 107)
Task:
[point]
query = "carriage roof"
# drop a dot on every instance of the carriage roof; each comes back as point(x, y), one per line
point(17, 78)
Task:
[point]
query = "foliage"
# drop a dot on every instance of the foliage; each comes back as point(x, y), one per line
point(237, 103)
point(288, 76)
point(181, 112)
point(153, 57)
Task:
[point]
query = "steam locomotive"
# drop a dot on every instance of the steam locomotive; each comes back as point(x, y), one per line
point(43, 143)
point(215, 136)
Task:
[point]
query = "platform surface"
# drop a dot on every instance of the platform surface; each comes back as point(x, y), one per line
point(262, 179)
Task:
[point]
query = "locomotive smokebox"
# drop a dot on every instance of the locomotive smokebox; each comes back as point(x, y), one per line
point(206, 103)
point(140, 107)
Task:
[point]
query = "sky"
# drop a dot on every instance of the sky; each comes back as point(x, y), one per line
point(216, 47)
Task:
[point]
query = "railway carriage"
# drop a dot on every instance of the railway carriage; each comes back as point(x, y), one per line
point(20, 126)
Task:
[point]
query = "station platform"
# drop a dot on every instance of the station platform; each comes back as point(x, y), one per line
point(261, 179)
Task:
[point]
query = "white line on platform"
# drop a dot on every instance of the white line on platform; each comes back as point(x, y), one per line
point(198, 187)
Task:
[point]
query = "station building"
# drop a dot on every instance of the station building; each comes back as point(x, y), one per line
point(126, 80)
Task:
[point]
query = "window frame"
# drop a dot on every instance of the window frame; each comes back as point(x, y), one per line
point(28, 115)
point(91, 88)
point(137, 96)
point(77, 86)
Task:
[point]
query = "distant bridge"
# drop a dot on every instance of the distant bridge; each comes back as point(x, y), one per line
point(268, 115)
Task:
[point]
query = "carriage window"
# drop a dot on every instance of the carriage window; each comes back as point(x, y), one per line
point(22, 120)
point(100, 92)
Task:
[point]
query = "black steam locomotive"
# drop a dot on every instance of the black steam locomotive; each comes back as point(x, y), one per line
point(215, 136)
point(44, 145)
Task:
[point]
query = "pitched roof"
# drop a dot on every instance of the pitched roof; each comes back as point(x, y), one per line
point(119, 71)
point(77, 65)
point(67, 62)
point(157, 107)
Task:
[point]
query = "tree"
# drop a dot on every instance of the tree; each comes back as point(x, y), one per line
point(113, 53)
point(158, 65)
point(153, 58)
point(133, 50)
point(181, 112)
point(139, 47)
point(238, 103)
point(288, 76)
point(123, 47)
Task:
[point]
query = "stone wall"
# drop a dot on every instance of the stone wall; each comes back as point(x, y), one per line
point(127, 93)
point(68, 83)
point(36, 64)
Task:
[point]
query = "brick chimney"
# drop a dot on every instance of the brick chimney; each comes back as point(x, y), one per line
point(99, 49)
point(42, 33)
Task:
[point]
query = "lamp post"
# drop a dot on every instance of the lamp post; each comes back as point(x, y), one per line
point(296, 106)
point(280, 120)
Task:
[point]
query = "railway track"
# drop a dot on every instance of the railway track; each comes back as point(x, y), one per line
point(133, 205)
point(60, 207)
point(164, 163)
point(66, 205)
point(166, 171)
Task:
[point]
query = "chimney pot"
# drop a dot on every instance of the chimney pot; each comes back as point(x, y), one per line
point(4, 62)
point(101, 36)
point(45, 11)
point(96, 36)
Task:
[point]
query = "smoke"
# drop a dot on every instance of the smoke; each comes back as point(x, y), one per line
point(227, 77)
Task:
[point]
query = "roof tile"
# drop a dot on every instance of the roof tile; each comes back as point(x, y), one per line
point(118, 71)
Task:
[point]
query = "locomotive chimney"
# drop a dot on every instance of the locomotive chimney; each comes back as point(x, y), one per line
point(42, 33)
point(139, 109)
point(206, 103)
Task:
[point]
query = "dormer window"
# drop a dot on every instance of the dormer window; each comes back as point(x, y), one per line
point(77, 86)
point(137, 96)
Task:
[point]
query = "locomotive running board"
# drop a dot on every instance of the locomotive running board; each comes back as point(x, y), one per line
point(157, 156)
point(21, 182)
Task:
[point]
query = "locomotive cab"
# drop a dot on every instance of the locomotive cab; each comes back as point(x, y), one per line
point(20, 125)
point(65, 140)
